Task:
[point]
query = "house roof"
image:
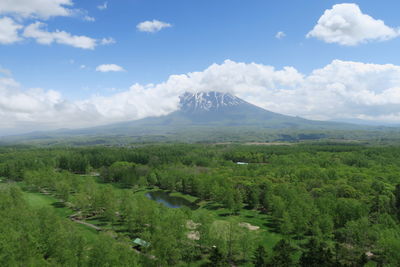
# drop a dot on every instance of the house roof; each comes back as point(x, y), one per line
point(141, 242)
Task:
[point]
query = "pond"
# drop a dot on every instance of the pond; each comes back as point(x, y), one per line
point(170, 201)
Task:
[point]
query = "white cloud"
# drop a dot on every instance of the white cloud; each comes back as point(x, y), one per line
point(340, 90)
point(280, 35)
point(107, 41)
point(43, 36)
point(44, 9)
point(9, 31)
point(152, 26)
point(89, 18)
point(109, 67)
point(345, 24)
point(36, 8)
point(103, 6)
point(26, 108)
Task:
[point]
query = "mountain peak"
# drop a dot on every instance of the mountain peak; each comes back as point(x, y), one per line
point(207, 101)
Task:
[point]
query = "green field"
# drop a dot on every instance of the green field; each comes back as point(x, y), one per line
point(269, 237)
point(253, 217)
point(38, 200)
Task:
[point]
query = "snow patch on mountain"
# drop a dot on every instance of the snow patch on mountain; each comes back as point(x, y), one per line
point(208, 101)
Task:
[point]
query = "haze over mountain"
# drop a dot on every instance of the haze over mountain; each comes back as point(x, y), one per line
point(209, 116)
point(223, 110)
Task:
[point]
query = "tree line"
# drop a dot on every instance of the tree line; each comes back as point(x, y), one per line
point(332, 204)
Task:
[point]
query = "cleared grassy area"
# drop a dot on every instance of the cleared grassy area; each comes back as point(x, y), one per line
point(37, 200)
point(185, 196)
point(267, 231)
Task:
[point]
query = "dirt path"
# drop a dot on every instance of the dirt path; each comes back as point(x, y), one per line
point(87, 224)
point(74, 219)
point(152, 257)
point(249, 226)
point(73, 216)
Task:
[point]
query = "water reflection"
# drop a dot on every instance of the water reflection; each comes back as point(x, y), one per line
point(170, 201)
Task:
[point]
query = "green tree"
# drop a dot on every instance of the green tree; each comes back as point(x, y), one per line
point(397, 200)
point(286, 226)
point(282, 255)
point(216, 258)
point(316, 255)
point(260, 257)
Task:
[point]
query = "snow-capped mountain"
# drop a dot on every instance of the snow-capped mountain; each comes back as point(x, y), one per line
point(220, 108)
point(211, 116)
point(214, 109)
point(208, 101)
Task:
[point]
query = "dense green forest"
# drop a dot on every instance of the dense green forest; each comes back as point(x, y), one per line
point(316, 204)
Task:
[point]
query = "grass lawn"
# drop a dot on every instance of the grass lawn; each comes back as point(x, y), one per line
point(267, 234)
point(185, 196)
point(38, 200)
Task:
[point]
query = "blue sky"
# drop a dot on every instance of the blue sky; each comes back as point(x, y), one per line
point(203, 32)
point(200, 34)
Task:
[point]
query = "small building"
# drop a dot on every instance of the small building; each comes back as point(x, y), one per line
point(141, 243)
point(241, 163)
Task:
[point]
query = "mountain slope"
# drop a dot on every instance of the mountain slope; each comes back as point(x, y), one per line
point(218, 108)
point(214, 116)
point(225, 110)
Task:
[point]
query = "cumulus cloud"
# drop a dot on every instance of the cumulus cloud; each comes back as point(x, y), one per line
point(18, 108)
point(25, 10)
point(42, 36)
point(103, 6)
point(152, 26)
point(43, 9)
point(37, 109)
point(107, 41)
point(280, 35)
point(89, 18)
point(9, 31)
point(345, 24)
point(340, 90)
point(109, 68)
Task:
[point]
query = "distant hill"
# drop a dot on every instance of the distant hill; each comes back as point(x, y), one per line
point(212, 116)
point(225, 110)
